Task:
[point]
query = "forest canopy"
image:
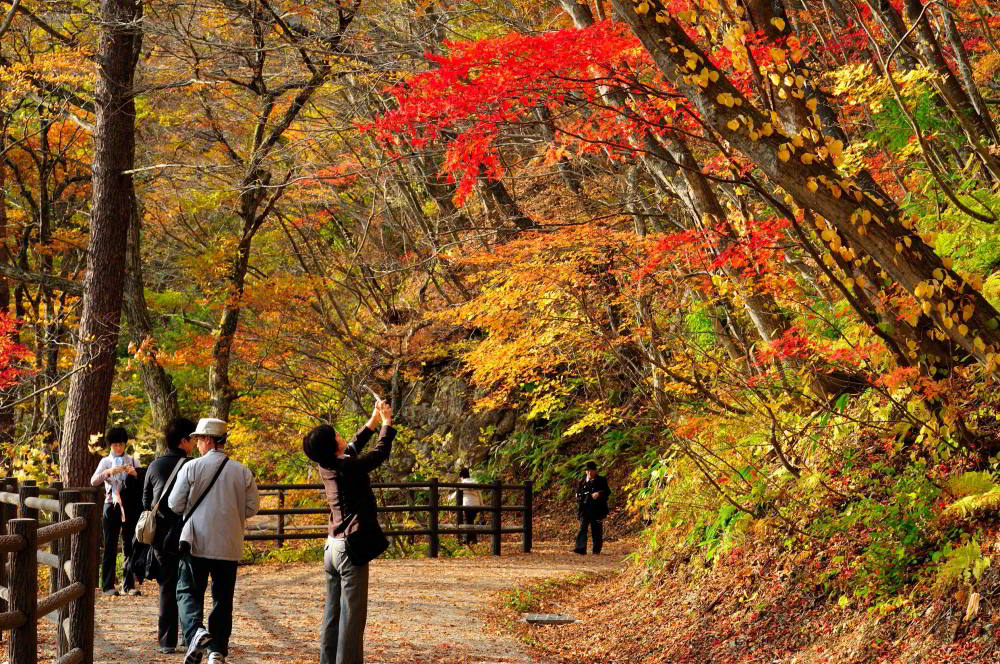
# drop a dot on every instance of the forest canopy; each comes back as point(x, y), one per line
point(744, 249)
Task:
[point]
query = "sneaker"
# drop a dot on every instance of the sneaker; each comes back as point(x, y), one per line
point(134, 592)
point(582, 553)
point(168, 650)
point(112, 592)
point(216, 658)
point(197, 646)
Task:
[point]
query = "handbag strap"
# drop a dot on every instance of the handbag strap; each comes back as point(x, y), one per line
point(168, 486)
point(207, 489)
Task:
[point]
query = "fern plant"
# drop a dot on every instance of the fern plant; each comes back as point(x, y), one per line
point(976, 493)
point(965, 564)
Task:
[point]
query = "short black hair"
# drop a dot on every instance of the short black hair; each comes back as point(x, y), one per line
point(117, 435)
point(177, 430)
point(320, 444)
point(464, 473)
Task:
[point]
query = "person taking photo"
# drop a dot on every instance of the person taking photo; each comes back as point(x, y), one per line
point(112, 471)
point(355, 537)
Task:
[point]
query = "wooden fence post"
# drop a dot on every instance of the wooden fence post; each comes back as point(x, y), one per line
point(497, 504)
point(23, 647)
point(66, 498)
point(435, 542)
point(281, 517)
point(460, 513)
point(83, 548)
point(28, 489)
point(54, 580)
point(528, 490)
point(7, 512)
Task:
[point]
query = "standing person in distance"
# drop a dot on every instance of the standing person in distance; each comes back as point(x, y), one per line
point(112, 471)
point(471, 498)
point(355, 537)
point(592, 508)
point(155, 491)
point(216, 495)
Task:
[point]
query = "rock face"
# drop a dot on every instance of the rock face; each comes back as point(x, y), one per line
point(439, 411)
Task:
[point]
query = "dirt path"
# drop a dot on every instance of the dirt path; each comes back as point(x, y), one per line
point(420, 611)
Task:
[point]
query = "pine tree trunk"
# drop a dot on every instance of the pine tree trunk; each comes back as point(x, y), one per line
point(111, 212)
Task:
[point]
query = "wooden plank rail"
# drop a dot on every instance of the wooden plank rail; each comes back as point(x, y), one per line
point(70, 541)
point(433, 507)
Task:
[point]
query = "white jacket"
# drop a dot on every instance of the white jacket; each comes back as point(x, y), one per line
point(470, 497)
point(216, 529)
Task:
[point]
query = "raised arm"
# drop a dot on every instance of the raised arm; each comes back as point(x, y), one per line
point(372, 459)
point(364, 434)
point(359, 441)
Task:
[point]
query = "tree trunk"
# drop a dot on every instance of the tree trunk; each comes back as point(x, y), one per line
point(965, 69)
point(156, 381)
point(867, 225)
point(113, 193)
point(6, 412)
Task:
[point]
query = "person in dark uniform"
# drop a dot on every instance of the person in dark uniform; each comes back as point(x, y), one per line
point(165, 543)
point(591, 508)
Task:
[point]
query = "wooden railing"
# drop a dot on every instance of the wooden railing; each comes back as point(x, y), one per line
point(71, 535)
point(495, 508)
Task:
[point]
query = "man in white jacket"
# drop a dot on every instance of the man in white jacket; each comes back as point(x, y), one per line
point(216, 495)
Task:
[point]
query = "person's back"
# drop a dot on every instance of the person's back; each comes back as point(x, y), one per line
point(216, 529)
point(160, 478)
point(216, 495)
point(471, 497)
point(353, 517)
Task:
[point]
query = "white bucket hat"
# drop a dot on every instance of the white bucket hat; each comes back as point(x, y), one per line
point(209, 426)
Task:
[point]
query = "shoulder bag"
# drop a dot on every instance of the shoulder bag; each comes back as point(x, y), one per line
point(145, 527)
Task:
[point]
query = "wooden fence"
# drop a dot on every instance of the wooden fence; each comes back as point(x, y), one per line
point(71, 534)
point(495, 508)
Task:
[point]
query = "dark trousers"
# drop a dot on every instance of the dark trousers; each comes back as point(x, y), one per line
point(113, 529)
point(470, 519)
point(167, 578)
point(192, 581)
point(596, 531)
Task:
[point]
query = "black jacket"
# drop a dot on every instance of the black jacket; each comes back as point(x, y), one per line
point(588, 507)
point(132, 495)
point(156, 479)
point(348, 487)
